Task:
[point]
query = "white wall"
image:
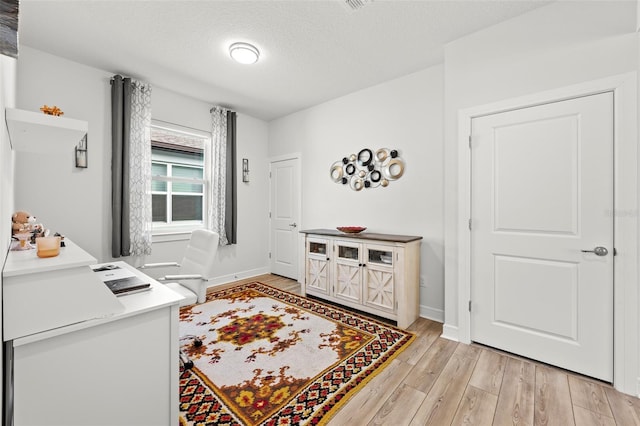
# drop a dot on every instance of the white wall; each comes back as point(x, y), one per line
point(77, 202)
point(562, 44)
point(74, 202)
point(404, 114)
point(7, 100)
point(249, 257)
point(554, 46)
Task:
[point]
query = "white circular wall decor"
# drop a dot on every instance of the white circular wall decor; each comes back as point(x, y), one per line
point(368, 169)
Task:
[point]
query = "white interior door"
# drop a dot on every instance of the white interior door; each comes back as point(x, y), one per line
point(542, 193)
point(285, 217)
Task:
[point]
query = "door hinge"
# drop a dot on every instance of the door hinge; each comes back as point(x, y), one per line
point(469, 305)
point(269, 175)
point(269, 215)
point(615, 252)
point(469, 224)
point(469, 141)
point(269, 255)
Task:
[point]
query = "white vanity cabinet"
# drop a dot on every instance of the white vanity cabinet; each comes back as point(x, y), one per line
point(374, 273)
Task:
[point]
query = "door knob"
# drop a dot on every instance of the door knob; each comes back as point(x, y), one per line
point(599, 251)
point(294, 225)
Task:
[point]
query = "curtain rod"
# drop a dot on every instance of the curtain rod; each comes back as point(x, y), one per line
point(130, 78)
point(225, 108)
point(178, 125)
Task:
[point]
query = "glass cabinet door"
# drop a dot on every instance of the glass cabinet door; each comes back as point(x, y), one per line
point(379, 285)
point(380, 255)
point(348, 251)
point(317, 247)
point(348, 271)
point(317, 268)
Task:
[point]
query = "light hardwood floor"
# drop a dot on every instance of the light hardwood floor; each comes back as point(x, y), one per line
point(439, 382)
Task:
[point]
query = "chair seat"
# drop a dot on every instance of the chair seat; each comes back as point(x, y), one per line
point(190, 298)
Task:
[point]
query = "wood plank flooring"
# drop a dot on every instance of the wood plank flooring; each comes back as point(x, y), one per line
point(439, 382)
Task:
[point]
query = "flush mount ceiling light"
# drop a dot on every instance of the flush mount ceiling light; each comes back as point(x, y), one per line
point(244, 53)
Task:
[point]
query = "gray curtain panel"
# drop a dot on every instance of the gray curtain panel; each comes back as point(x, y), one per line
point(231, 213)
point(120, 143)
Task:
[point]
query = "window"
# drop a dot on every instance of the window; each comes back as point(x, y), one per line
point(178, 182)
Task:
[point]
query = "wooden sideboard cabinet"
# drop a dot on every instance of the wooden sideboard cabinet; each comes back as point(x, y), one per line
point(374, 273)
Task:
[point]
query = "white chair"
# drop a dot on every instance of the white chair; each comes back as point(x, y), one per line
point(196, 268)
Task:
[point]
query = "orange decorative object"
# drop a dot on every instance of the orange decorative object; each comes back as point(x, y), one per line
point(53, 110)
point(351, 229)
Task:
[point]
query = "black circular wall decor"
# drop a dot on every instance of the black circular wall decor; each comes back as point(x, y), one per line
point(368, 169)
point(365, 156)
point(350, 169)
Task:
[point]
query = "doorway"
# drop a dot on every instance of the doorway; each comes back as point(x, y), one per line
point(284, 213)
point(542, 232)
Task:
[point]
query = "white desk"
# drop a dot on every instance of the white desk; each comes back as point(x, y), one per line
point(116, 368)
point(45, 294)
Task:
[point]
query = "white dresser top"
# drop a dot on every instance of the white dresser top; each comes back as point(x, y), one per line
point(27, 262)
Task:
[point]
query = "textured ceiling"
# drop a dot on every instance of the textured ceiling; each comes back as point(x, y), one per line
point(312, 51)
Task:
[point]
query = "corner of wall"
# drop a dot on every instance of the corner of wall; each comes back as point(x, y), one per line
point(7, 100)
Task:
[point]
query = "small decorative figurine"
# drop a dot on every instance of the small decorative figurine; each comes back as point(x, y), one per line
point(53, 110)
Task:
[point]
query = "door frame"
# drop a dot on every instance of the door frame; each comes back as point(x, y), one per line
point(626, 303)
point(299, 249)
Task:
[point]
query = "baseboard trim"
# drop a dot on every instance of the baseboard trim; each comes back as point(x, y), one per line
point(431, 313)
point(450, 332)
point(225, 279)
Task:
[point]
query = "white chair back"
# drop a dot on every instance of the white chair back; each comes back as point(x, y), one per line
point(199, 258)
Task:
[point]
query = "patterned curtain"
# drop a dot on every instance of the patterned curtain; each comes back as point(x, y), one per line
point(216, 166)
point(220, 165)
point(140, 170)
point(131, 167)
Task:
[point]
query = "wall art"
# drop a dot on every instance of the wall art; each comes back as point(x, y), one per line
point(368, 168)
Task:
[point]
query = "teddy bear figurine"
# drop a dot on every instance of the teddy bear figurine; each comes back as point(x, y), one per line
point(22, 222)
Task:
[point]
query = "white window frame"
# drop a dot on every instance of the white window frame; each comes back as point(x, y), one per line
point(185, 227)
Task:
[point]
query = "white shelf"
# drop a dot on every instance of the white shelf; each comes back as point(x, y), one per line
point(23, 262)
point(37, 132)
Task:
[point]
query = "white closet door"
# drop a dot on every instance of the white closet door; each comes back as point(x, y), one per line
point(542, 192)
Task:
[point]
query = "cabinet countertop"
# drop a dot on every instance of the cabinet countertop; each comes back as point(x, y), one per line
point(363, 235)
point(27, 262)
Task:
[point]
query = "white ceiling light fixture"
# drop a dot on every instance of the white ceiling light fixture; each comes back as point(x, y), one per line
point(244, 53)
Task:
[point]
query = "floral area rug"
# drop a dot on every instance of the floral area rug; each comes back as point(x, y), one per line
point(270, 357)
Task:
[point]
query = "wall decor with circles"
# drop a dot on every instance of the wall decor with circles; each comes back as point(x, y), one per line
point(368, 169)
